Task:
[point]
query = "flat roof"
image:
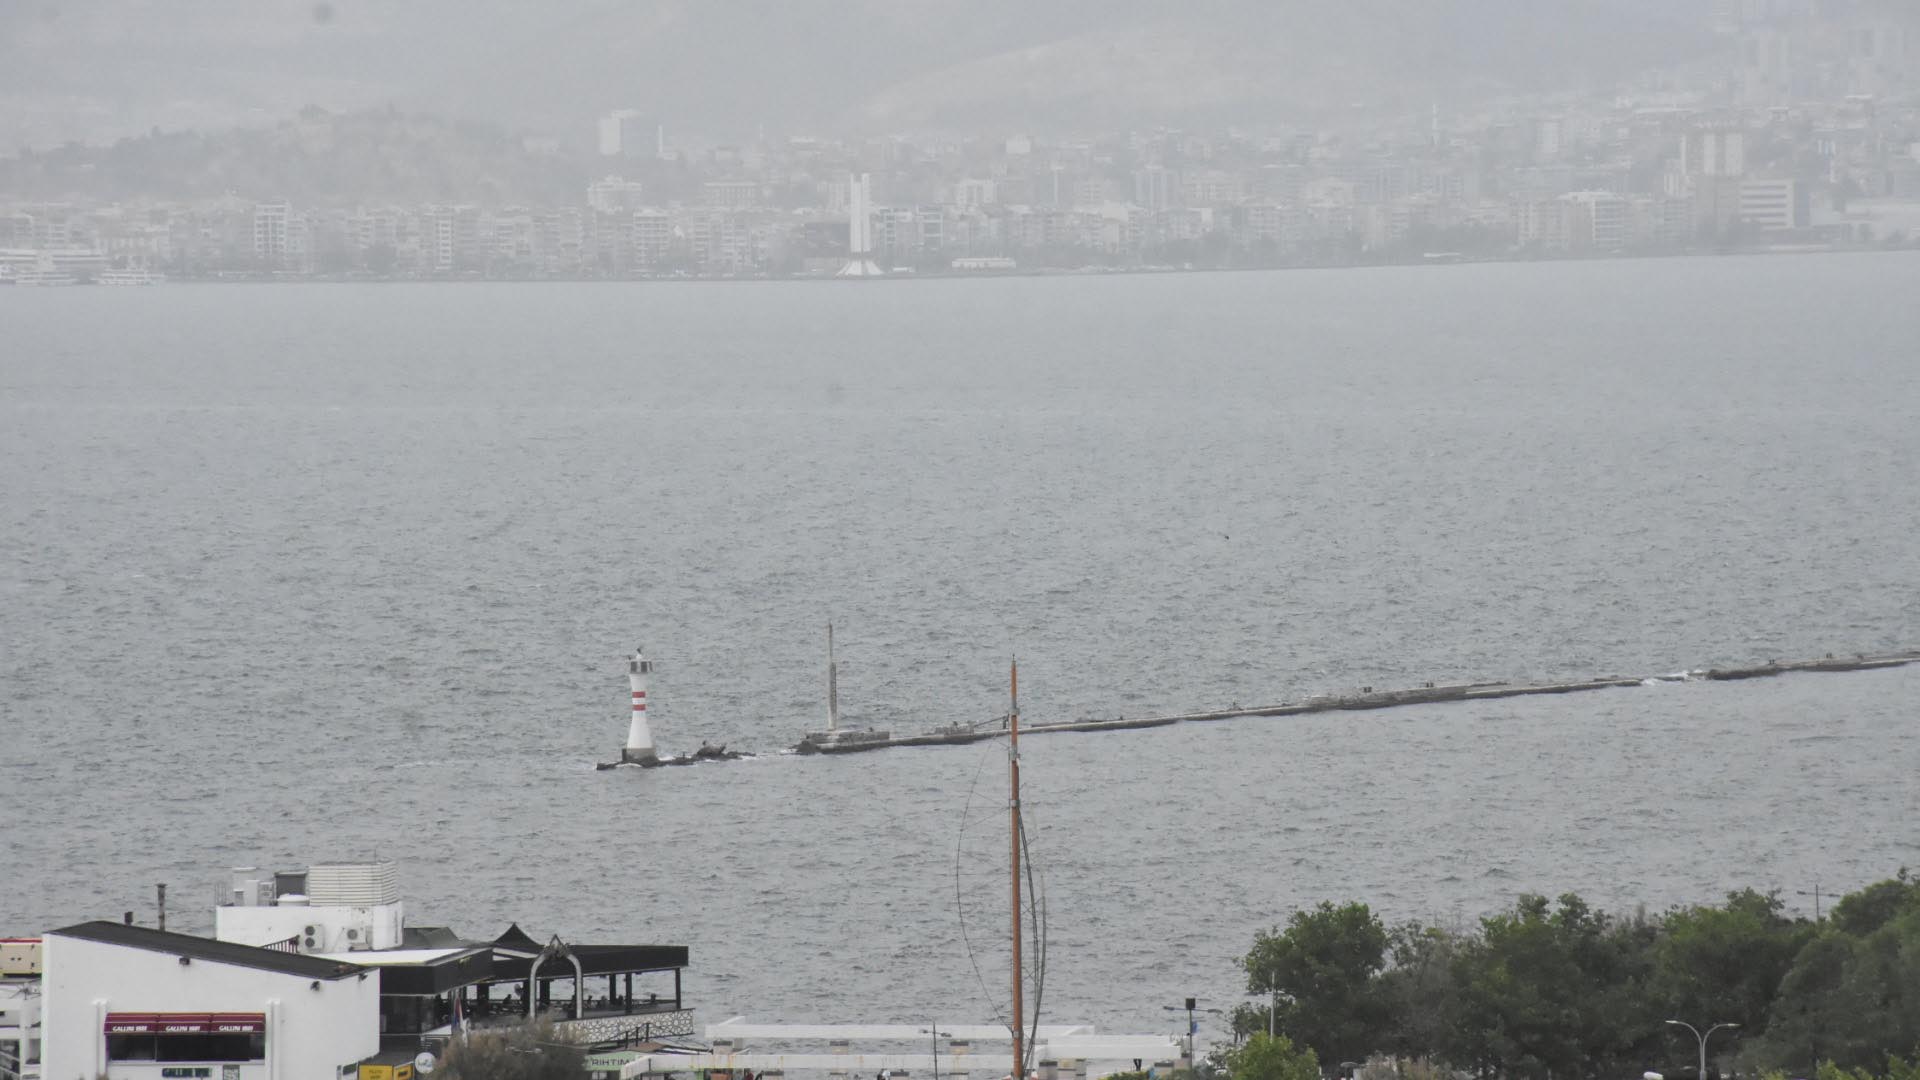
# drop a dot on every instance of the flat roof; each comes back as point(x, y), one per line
point(424, 971)
point(389, 957)
point(210, 950)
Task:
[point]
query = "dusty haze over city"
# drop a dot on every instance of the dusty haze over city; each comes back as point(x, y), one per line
point(96, 69)
point(1426, 456)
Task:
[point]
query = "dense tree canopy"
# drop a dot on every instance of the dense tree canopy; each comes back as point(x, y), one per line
point(1276, 1058)
point(1553, 988)
point(1321, 971)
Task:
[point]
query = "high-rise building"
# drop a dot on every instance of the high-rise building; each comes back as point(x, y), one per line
point(611, 131)
point(270, 227)
point(1717, 152)
point(1153, 188)
point(625, 133)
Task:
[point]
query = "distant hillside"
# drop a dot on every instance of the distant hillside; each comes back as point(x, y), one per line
point(1302, 59)
point(316, 160)
point(95, 69)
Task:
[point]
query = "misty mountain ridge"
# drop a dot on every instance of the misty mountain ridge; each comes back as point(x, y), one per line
point(97, 69)
point(316, 159)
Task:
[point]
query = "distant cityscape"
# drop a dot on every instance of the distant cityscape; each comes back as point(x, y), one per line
point(1806, 136)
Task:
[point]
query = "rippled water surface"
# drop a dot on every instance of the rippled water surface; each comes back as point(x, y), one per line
point(292, 573)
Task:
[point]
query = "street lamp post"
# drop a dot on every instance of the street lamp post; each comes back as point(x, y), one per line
point(1703, 1037)
point(1193, 1024)
point(933, 1029)
point(1273, 1008)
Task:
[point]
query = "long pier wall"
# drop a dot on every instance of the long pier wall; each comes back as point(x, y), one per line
point(1369, 698)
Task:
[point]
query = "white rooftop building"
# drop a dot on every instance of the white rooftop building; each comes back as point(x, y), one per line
point(114, 998)
point(328, 908)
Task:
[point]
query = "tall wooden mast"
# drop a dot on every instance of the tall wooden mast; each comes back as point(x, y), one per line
point(833, 685)
point(1013, 812)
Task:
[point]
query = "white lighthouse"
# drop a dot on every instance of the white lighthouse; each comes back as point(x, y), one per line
point(639, 750)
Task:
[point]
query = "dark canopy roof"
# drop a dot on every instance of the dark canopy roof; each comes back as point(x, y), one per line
point(433, 937)
point(518, 939)
point(594, 960)
point(215, 952)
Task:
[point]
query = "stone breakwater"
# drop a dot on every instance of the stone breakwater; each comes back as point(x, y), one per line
point(1370, 698)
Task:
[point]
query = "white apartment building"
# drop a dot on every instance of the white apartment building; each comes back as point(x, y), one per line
point(271, 223)
point(1773, 205)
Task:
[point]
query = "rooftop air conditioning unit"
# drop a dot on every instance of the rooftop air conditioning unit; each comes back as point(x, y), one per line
point(313, 938)
point(369, 884)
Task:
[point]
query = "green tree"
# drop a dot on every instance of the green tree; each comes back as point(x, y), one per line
point(520, 1052)
point(1861, 913)
point(1852, 996)
point(1276, 1058)
point(1549, 990)
point(1321, 969)
point(1419, 991)
point(1715, 964)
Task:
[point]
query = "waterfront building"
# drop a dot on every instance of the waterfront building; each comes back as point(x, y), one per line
point(1773, 205)
point(652, 237)
point(271, 224)
point(312, 974)
point(1599, 221)
point(120, 1000)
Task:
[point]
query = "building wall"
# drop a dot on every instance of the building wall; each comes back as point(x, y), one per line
point(311, 1032)
point(377, 927)
point(19, 1026)
point(1773, 204)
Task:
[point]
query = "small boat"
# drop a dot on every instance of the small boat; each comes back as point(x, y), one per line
point(836, 739)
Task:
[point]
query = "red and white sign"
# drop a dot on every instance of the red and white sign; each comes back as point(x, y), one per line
point(185, 1023)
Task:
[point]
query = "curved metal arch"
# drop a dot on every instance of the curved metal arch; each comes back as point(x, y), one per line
point(556, 947)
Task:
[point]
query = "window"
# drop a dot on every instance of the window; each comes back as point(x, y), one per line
point(131, 1047)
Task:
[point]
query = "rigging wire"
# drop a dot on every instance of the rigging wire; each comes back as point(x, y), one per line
point(958, 909)
point(1036, 912)
point(1036, 909)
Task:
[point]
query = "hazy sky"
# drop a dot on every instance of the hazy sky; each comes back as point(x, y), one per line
point(95, 68)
